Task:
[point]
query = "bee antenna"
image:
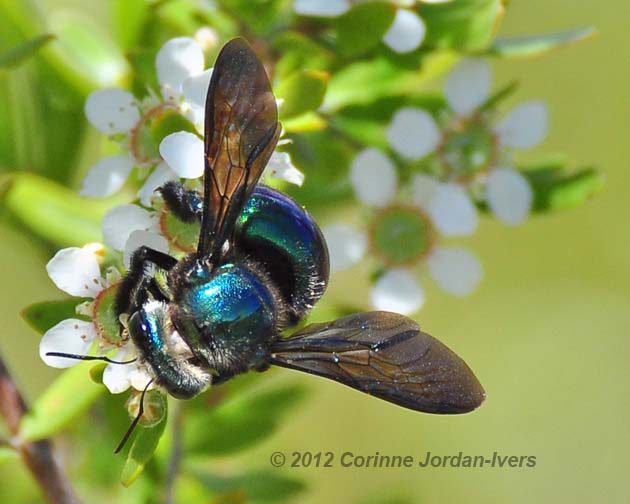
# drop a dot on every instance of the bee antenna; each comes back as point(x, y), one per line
point(134, 424)
point(88, 358)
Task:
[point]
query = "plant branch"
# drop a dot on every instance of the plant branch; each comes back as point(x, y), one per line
point(38, 456)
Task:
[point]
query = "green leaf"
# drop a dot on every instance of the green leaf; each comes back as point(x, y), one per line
point(311, 121)
point(43, 316)
point(256, 486)
point(87, 49)
point(298, 51)
point(17, 55)
point(97, 371)
point(302, 92)
point(556, 190)
point(63, 401)
point(54, 212)
point(259, 17)
point(363, 27)
point(142, 449)
point(463, 25)
point(129, 17)
point(536, 45)
point(366, 131)
point(240, 421)
point(324, 157)
point(363, 82)
point(142, 61)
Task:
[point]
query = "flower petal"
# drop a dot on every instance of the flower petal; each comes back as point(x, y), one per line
point(107, 176)
point(452, 211)
point(525, 126)
point(346, 245)
point(456, 270)
point(116, 377)
point(176, 60)
point(139, 378)
point(195, 88)
point(160, 176)
point(325, 8)
point(183, 152)
point(424, 189)
point(398, 291)
point(509, 195)
point(76, 271)
point(139, 238)
point(468, 85)
point(122, 220)
point(413, 133)
point(72, 336)
point(119, 377)
point(112, 110)
point(281, 167)
point(406, 32)
point(373, 177)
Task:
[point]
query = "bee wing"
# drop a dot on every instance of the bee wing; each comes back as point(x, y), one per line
point(386, 355)
point(241, 132)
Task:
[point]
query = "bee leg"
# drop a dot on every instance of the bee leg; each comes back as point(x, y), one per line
point(157, 291)
point(147, 286)
point(186, 204)
point(133, 287)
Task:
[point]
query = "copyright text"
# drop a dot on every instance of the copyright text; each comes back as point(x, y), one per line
point(377, 460)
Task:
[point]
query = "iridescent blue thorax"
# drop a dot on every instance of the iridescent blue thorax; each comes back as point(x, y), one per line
point(234, 297)
point(227, 313)
point(273, 272)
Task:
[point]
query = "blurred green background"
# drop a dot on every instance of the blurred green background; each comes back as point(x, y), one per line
point(546, 333)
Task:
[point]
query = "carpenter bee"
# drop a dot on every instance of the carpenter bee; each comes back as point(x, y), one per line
point(261, 265)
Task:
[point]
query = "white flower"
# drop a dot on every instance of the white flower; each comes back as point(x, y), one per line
point(402, 237)
point(184, 154)
point(128, 227)
point(121, 221)
point(405, 34)
point(323, 8)
point(77, 272)
point(183, 86)
point(281, 166)
point(470, 149)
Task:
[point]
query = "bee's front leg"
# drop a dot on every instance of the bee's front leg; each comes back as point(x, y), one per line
point(134, 287)
point(186, 204)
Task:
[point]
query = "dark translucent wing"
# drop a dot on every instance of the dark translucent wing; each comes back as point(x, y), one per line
point(241, 131)
point(386, 355)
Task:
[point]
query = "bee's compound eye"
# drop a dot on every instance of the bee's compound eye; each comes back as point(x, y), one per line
point(138, 324)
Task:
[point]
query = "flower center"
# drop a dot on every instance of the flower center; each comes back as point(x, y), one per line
point(105, 319)
point(401, 235)
point(468, 149)
point(183, 236)
point(153, 126)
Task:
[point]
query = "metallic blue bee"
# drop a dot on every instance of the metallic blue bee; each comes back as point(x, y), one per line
point(260, 266)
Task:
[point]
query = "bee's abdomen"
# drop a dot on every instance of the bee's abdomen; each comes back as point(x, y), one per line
point(277, 232)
